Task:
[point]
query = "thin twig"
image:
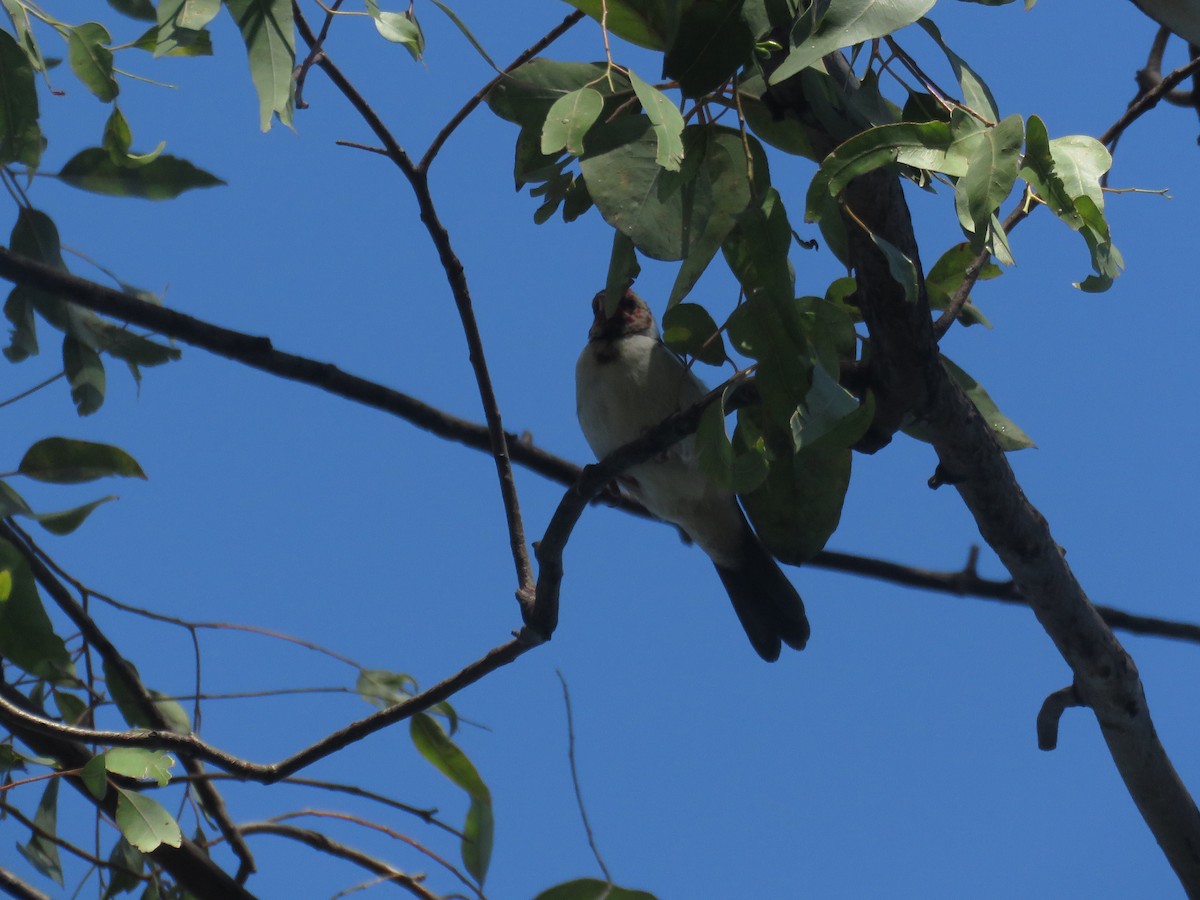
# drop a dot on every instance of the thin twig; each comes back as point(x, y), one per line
point(456, 278)
point(587, 826)
point(33, 390)
point(457, 119)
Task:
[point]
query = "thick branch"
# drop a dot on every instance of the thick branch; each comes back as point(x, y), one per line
point(913, 385)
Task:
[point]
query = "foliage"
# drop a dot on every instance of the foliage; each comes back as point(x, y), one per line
point(681, 171)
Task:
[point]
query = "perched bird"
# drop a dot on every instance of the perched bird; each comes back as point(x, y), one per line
point(626, 382)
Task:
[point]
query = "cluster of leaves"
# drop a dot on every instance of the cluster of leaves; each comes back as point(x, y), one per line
point(678, 184)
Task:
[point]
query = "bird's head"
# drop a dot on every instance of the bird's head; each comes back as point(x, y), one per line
point(632, 316)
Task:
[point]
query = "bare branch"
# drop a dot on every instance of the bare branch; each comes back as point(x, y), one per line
point(456, 278)
point(15, 887)
point(326, 844)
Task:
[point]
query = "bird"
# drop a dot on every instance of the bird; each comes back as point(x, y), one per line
point(626, 382)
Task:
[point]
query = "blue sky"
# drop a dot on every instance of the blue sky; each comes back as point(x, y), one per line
point(895, 756)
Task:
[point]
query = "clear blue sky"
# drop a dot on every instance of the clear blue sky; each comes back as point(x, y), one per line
point(895, 757)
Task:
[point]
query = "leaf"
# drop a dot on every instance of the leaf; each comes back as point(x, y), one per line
point(90, 60)
point(400, 28)
point(139, 763)
point(169, 37)
point(591, 889)
point(462, 26)
point(667, 121)
point(12, 504)
point(787, 133)
point(946, 276)
point(95, 776)
point(623, 269)
point(22, 341)
point(382, 688)
point(71, 708)
point(798, 507)
point(126, 865)
point(144, 822)
point(61, 460)
point(901, 267)
point(41, 852)
point(433, 744)
point(85, 373)
point(756, 250)
point(1008, 435)
point(647, 23)
point(671, 215)
point(721, 463)
point(20, 136)
point(195, 14)
point(127, 703)
point(163, 177)
point(923, 145)
point(850, 22)
point(26, 636)
point(975, 93)
point(118, 138)
point(1081, 162)
point(990, 176)
point(269, 34)
point(829, 413)
point(710, 45)
point(774, 331)
point(689, 329)
point(135, 9)
point(569, 119)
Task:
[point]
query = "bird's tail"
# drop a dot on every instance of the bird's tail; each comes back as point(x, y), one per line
point(767, 605)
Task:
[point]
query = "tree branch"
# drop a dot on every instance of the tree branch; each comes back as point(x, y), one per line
point(913, 383)
point(325, 844)
point(456, 278)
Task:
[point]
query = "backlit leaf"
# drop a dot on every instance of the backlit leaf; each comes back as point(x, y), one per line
point(144, 822)
point(20, 136)
point(161, 178)
point(67, 461)
point(90, 60)
point(269, 34)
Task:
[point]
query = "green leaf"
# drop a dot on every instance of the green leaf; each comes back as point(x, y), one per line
point(67, 461)
point(144, 822)
point(169, 37)
point(946, 276)
point(591, 889)
point(756, 250)
point(902, 269)
point(829, 413)
point(623, 269)
point(66, 521)
point(135, 9)
point(720, 461)
point(1008, 435)
point(711, 44)
point(270, 38)
point(160, 178)
point(975, 93)
point(118, 138)
point(689, 329)
point(787, 133)
point(20, 136)
point(90, 60)
point(41, 852)
point(433, 744)
point(71, 708)
point(799, 505)
point(569, 119)
point(127, 703)
point(85, 373)
point(462, 26)
point(990, 176)
point(527, 93)
point(671, 215)
point(382, 688)
point(126, 865)
point(140, 763)
point(400, 28)
point(1081, 162)
point(18, 309)
point(95, 776)
point(26, 636)
point(647, 23)
point(850, 22)
point(12, 504)
point(195, 14)
point(774, 331)
point(923, 145)
point(667, 121)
